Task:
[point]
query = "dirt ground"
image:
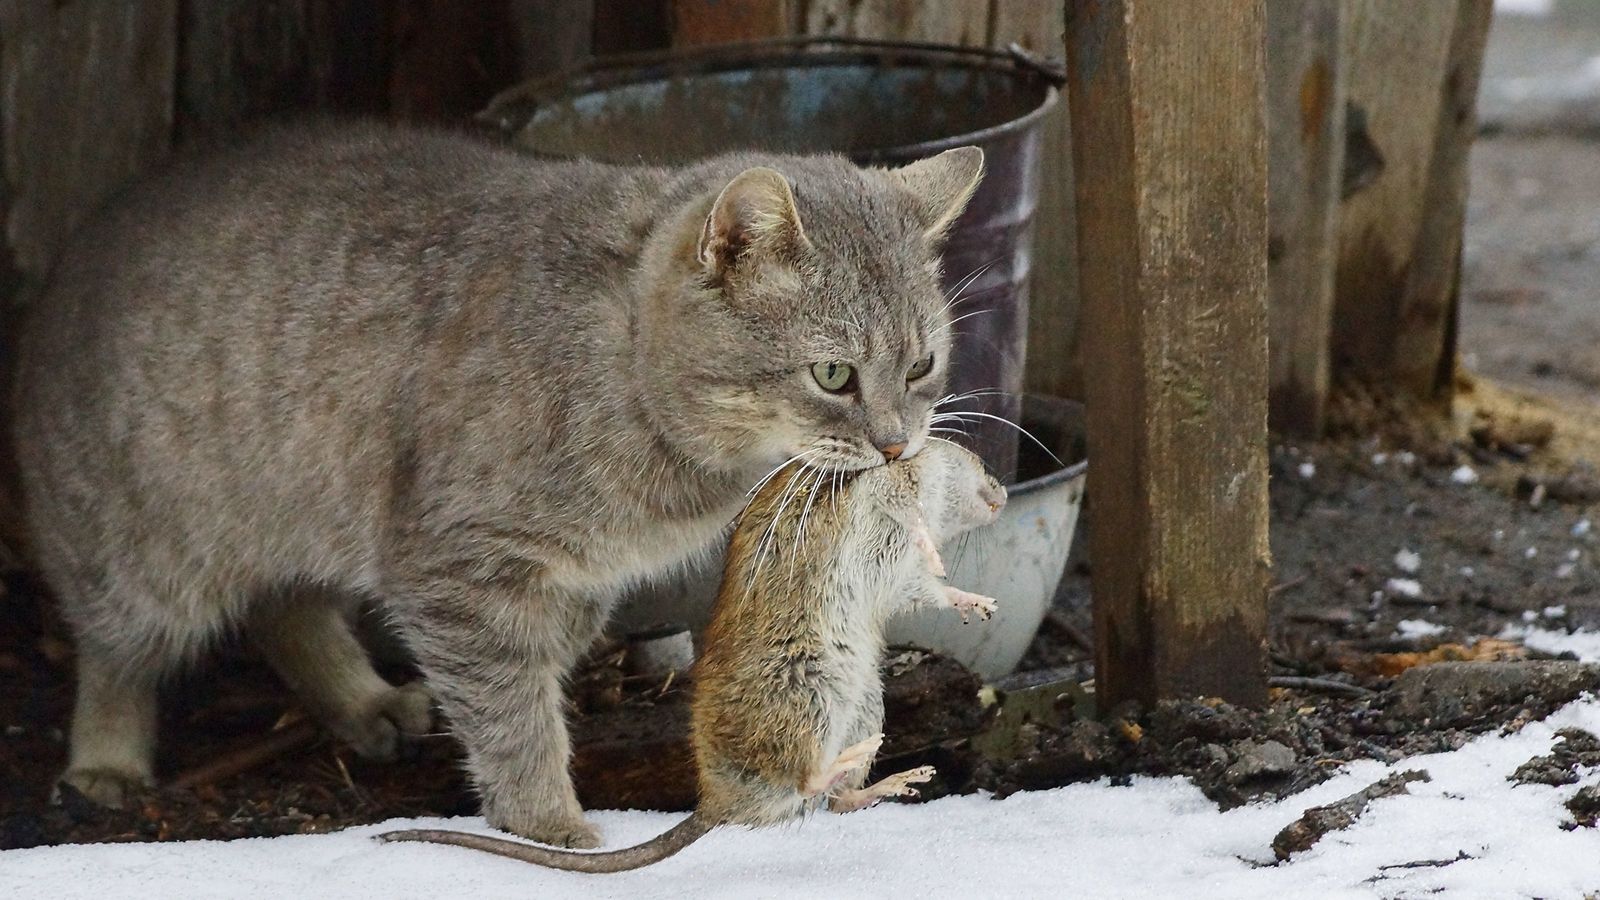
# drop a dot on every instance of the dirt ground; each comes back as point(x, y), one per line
point(1469, 528)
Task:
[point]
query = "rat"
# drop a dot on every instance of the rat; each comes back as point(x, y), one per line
point(788, 699)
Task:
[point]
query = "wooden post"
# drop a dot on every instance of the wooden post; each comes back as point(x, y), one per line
point(1412, 73)
point(1169, 148)
point(1305, 127)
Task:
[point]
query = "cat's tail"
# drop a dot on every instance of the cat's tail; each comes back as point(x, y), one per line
point(654, 850)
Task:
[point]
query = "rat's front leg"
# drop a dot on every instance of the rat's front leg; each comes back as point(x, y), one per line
point(967, 603)
point(495, 654)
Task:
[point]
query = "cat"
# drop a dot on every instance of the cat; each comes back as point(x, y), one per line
point(493, 392)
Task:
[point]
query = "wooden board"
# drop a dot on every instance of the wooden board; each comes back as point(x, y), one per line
point(1168, 120)
point(1305, 126)
point(697, 22)
point(964, 22)
point(86, 100)
point(1053, 363)
point(1409, 69)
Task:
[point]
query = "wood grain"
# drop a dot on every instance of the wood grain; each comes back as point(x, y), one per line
point(1053, 363)
point(1168, 116)
point(1305, 127)
point(963, 22)
point(1410, 68)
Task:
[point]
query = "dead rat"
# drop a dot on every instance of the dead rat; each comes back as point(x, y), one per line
point(788, 701)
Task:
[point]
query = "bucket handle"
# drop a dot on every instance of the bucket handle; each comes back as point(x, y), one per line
point(515, 103)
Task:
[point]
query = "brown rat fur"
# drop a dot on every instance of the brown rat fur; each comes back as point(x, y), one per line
point(788, 702)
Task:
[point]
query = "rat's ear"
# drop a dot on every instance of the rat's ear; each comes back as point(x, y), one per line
point(941, 186)
point(754, 212)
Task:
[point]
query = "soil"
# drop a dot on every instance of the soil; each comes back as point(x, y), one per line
point(1372, 536)
point(1343, 512)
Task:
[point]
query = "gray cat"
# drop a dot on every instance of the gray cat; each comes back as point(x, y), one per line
point(494, 392)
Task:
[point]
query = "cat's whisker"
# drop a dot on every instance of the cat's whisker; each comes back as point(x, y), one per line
point(764, 547)
point(811, 498)
point(768, 477)
point(970, 395)
point(961, 417)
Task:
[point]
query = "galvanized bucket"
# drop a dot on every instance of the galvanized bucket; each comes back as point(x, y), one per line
point(880, 103)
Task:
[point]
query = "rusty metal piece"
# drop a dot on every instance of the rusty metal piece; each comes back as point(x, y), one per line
point(879, 102)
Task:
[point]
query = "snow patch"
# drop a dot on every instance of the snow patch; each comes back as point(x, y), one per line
point(1418, 628)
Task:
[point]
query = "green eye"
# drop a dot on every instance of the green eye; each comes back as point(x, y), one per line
point(920, 368)
point(836, 377)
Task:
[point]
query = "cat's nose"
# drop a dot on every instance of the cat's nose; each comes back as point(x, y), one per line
point(892, 451)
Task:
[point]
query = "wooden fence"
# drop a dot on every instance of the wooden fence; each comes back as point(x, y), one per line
point(1180, 237)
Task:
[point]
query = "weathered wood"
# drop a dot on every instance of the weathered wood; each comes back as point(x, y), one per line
point(1053, 364)
point(631, 26)
point(86, 100)
point(964, 22)
point(239, 60)
point(1305, 119)
point(448, 58)
point(1425, 345)
point(1412, 73)
point(553, 35)
point(1168, 112)
point(696, 22)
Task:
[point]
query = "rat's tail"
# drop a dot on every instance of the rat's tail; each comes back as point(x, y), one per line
point(654, 850)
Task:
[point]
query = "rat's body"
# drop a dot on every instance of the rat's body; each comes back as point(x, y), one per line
point(788, 700)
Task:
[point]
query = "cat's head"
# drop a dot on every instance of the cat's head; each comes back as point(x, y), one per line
point(802, 313)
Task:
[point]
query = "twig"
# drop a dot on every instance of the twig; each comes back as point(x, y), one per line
point(1319, 686)
point(1284, 586)
point(1461, 856)
point(277, 743)
point(1317, 821)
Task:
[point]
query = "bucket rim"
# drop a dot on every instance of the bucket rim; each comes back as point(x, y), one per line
point(510, 111)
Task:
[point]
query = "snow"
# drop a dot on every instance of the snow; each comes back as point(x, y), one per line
point(1464, 474)
point(1404, 587)
point(1308, 470)
point(1418, 628)
point(1407, 560)
point(1158, 837)
point(1534, 8)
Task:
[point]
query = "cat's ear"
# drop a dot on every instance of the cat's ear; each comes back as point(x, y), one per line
point(756, 210)
point(941, 186)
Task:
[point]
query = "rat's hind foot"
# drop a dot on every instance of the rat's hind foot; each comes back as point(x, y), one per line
point(896, 785)
point(854, 757)
point(966, 603)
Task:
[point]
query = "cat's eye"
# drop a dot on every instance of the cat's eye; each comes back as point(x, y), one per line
point(920, 368)
point(836, 377)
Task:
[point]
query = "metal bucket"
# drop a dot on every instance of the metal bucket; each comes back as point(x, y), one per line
point(880, 103)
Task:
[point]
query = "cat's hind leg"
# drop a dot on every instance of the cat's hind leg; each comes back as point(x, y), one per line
point(306, 637)
point(113, 745)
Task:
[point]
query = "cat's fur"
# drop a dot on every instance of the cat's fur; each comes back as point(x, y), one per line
point(490, 391)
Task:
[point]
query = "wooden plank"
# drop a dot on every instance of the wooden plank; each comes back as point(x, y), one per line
point(1168, 109)
point(1053, 363)
point(696, 22)
point(963, 22)
point(240, 59)
point(1408, 65)
point(86, 100)
point(1425, 345)
point(553, 35)
point(631, 26)
point(448, 58)
point(1305, 128)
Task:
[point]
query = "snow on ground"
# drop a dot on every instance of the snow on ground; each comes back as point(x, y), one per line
point(1157, 837)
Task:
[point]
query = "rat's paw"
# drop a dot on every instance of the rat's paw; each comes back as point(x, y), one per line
point(385, 723)
point(967, 603)
point(111, 788)
point(900, 783)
